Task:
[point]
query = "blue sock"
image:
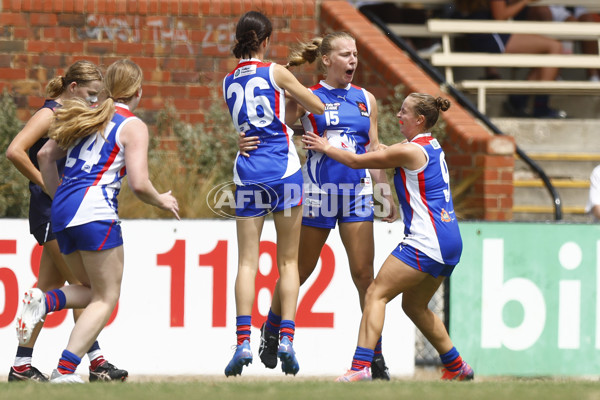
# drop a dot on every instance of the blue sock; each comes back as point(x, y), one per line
point(287, 328)
point(68, 362)
point(378, 346)
point(451, 360)
point(362, 358)
point(243, 324)
point(273, 322)
point(55, 300)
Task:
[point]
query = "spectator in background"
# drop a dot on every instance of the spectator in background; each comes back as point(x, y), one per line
point(570, 14)
point(390, 12)
point(593, 204)
point(517, 43)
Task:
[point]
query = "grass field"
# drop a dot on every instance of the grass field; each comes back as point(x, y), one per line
point(292, 388)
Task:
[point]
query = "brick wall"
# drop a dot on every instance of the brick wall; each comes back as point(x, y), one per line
point(183, 47)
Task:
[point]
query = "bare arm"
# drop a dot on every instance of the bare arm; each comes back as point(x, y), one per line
point(596, 211)
point(373, 130)
point(293, 111)
point(381, 188)
point(502, 11)
point(47, 157)
point(134, 138)
point(382, 192)
point(35, 129)
point(397, 155)
point(287, 81)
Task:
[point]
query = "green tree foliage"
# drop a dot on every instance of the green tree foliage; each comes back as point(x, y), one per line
point(14, 192)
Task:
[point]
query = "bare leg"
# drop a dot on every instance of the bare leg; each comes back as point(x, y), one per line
point(105, 271)
point(312, 240)
point(415, 303)
point(287, 225)
point(590, 46)
point(53, 273)
point(394, 277)
point(64, 272)
point(248, 234)
point(536, 44)
point(360, 248)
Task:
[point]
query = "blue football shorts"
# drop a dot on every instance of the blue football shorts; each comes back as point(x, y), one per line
point(324, 210)
point(420, 261)
point(259, 199)
point(93, 236)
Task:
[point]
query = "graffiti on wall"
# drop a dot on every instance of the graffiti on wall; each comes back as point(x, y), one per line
point(166, 32)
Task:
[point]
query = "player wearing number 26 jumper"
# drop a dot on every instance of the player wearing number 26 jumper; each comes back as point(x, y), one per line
point(255, 94)
point(432, 244)
point(335, 194)
point(100, 145)
point(257, 104)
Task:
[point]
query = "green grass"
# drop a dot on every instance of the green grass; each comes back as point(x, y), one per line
point(249, 388)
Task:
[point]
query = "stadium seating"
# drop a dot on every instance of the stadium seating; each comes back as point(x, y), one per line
point(448, 59)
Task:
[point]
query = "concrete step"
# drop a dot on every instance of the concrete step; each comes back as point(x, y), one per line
point(558, 136)
point(546, 213)
point(576, 106)
point(557, 183)
point(571, 196)
point(567, 151)
point(577, 166)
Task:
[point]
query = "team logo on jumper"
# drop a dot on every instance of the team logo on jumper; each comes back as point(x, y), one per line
point(445, 216)
point(245, 70)
point(363, 108)
point(332, 106)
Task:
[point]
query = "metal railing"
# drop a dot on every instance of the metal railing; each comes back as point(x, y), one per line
point(467, 104)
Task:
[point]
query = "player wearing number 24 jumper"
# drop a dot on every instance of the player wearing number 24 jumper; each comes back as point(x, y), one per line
point(255, 93)
point(82, 79)
point(100, 144)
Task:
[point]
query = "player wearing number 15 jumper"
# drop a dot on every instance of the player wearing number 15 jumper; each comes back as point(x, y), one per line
point(431, 246)
point(255, 94)
point(101, 144)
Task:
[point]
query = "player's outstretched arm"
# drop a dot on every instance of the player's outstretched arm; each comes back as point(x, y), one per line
point(134, 138)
